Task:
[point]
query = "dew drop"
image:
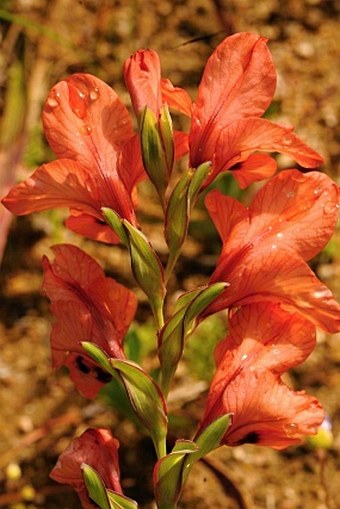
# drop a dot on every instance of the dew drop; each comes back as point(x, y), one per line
point(86, 129)
point(79, 112)
point(94, 94)
point(244, 357)
point(287, 141)
point(52, 103)
point(274, 246)
point(317, 191)
point(82, 95)
point(321, 294)
point(291, 428)
point(279, 235)
point(328, 208)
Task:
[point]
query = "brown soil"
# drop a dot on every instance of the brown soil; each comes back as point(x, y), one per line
point(40, 410)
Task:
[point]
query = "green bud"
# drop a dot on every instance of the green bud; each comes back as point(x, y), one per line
point(167, 137)
point(95, 487)
point(168, 474)
point(146, 400)
point(172, 336)
point(178, 211)
point(154, 158)
point(147, 269)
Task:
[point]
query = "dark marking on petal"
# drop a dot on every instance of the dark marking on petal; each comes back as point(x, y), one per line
point(81, 365)
point(251, 438)
point(102, 376)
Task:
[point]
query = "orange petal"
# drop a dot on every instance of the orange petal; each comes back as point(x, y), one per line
point(256, 167)
point(243, 137)
point(295, 211)
point(264, 336)
point(91, 227)
point(230, 218)
point(238, 81)
point(176, 97)
point(85, 120)
point(265, 274)
point(264, 341)
point(266, 412)
point(61, 183)
point(142, 74)
point(97, 448)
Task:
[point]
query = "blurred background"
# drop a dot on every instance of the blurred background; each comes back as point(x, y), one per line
point(43, 41)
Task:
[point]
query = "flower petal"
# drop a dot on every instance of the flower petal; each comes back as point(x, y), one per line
point(91, 227)
point(295, 211)
point(85, 120)
point(61, 183)
point(264, 341)
point(264, 336)
point(87, 306)
point(176, 97)
point(266, 412)
point(238, 81)
point(97, 448)
point(256, 167)
point(142, 74)
point(245, 136)
point(268, 275)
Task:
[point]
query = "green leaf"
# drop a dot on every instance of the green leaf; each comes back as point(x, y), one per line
point(95, 486)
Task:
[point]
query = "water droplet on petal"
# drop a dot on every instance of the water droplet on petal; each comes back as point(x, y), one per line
point(81, 94)
point(287, 140)
point(317, 191)
point(244, 357)
point(328, 208)
point(291, 429)
point(94, 94)
point(274, 246)
point(52, 103)
point(86, 129)
point(279, 235)
point(323, 293)
point(79, 112)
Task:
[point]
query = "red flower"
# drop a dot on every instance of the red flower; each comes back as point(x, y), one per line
point(96, 448)
point(88, 307)
point(264, 341)
point(236, 88)
point(99, 161)
point(265, 246)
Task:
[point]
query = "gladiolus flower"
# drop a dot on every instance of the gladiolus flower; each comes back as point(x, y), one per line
point(236, 88)
point(88, 306)
point(96, 448)
point(99, 161)
point(265, 246)
point(264, 341)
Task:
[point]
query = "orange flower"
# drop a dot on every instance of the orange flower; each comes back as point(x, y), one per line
point(99, 161)
point(88, 307)
point(264, 341)
point(96, 448)
point(236, 88)
point(265, 246)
